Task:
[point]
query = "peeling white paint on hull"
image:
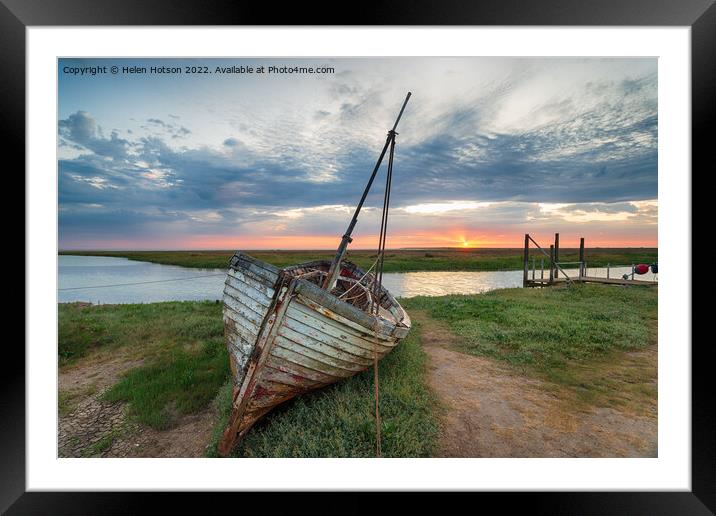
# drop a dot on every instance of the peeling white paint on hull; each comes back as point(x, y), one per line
point(286, 336)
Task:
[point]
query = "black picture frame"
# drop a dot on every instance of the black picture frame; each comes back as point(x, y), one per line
point(700, 15)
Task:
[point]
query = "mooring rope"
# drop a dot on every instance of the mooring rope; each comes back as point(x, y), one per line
point(359, 280)
point(378, 287)
point(142, 282)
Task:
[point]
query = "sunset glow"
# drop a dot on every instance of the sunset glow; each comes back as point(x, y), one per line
point(490, 148)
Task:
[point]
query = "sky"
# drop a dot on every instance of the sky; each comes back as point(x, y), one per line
point(488, 149)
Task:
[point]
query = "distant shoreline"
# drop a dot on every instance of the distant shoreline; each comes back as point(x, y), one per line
point(397, 260)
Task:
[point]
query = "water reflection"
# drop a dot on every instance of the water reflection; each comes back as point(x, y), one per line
point(148, 282)
point(143, 282)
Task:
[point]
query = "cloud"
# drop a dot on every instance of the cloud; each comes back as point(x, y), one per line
point(570, 142)
point(84, 131)
point(232, 142)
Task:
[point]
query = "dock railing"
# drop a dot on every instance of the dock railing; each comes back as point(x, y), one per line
point(555, 267)
point(555, 272)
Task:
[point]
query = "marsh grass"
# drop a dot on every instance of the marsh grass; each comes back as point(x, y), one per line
point(142, 330)
point(185, 366)
point(596, 341)
point(584, 337)
point(397, 260)
point(185, 359)
point(176, 384)
point(339, 421)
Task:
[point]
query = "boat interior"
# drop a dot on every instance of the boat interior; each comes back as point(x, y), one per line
point(353, 286)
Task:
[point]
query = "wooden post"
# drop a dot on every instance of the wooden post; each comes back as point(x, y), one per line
point(551, 264)
point(533, 268)
point(607, 271)
point(556, 254)
point(541, 274)
point(581, 257)
point(526, 259)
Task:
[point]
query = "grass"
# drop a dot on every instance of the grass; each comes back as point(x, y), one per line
point(142, 330)
point(182, 345)
point(594, 343)
point(339, 421)
point(186, 366)
point(176, 384)
point(581, 337)
point(399, 260)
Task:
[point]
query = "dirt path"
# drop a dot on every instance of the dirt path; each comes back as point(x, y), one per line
point(492, 411)
point(92, 427)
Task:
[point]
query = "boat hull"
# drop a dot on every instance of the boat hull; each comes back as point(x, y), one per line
point(287, 336)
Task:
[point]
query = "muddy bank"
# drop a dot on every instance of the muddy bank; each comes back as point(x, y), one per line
point(92, 427)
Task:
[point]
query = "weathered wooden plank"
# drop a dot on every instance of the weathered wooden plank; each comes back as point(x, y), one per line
point(239, 318)
point(242, 326)
point(261, 269)
point(401, 331)
point(362, 349)
point(286, 378)
point(317, 324)
point(333, 347)
point(293, 356)
point(290, 342)
point(268, 396)
point(259, 307)
point(242, 343)
point(325, 355)
point(259, 263)
point(334, 308)
point(617, 281)
point(293, 368)
point(258, 284)
point(242, 310)
point(306, 314)
point(593, 279)
point(375, 332)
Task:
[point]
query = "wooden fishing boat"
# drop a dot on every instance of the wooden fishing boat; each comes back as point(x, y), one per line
point(286, 335)
point(289, 331)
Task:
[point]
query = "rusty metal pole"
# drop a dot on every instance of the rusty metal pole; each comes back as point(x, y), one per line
point(551, 264)
point(581, 257)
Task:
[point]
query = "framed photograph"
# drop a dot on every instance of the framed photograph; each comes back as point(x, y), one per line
point(418, 253)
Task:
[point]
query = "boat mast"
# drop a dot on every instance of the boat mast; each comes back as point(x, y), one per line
point(335, 264)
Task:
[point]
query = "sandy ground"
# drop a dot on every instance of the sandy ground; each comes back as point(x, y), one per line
point(94, 427)
point(493, 412)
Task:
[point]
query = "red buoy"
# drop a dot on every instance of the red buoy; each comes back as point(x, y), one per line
point(642, 268)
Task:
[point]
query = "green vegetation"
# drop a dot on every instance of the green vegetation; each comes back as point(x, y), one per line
point(142, 330)
point(339, 421)
point(400, 260)
point(181, 344)
point(185, 365)
point(595, 344)
point(576, 337)
point(177, 383)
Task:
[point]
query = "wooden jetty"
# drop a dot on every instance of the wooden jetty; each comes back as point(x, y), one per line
point(554, 268)
point(544, 282)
